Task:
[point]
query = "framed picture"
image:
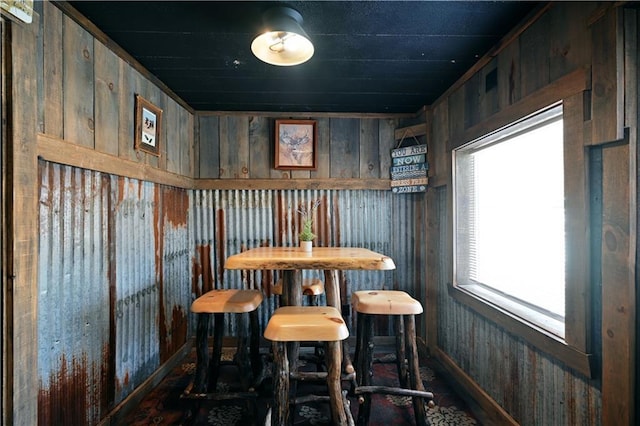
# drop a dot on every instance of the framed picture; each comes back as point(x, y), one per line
point(295, 144)
point(148, 124)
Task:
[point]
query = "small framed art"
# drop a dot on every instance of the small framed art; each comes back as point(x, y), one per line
point(295, 144)
point(148, 123)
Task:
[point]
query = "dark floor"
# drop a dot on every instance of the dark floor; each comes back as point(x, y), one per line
point(164, 405)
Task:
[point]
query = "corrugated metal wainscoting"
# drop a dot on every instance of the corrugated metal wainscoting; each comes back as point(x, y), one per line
point(121, 260)
point(114, 288)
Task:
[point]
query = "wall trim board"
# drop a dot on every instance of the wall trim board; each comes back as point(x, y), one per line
point(60, 151)
point(564, 87)
point(492, 412)
point(275, 184)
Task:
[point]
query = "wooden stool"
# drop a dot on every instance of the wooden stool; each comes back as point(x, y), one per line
point(403, 308)
point(303, 323)
point(218, 303)
point(312, 287)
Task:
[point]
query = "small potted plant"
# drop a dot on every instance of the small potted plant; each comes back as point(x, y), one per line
point(306, 234)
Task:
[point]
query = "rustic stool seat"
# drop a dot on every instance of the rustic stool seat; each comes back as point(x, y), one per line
point(402, 308)
point(227, 301)
point(291, 324)
point(386, 302)
point(217, 303)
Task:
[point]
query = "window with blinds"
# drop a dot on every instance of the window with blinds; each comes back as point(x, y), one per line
point(509, 218)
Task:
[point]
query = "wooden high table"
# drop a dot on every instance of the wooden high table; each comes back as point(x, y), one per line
point(292, 261)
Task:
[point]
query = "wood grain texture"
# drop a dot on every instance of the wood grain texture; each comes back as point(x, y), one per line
point(107, 100)
point(345, 148)
point(323, 151)
point(52, 69)
point(78, 83)
point(277, 258)
point(208, 157)
point(23, 293)
point(369, 145)
point(259, 147)
point(577, 232)
point(62, 152)
point(607, 80)
point(618, 290)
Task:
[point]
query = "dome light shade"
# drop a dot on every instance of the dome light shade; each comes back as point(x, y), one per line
point(284, 42)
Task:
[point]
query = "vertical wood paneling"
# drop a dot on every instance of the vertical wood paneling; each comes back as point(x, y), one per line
point(170, 147)
point(234, 147)
point(386, 141)
point(107, 99)
point(618, 288)
point(260, 162)
point(509, 75)
point(323, 149)
point(208, 147)
point(534, 65)
point(568, 51)
point(23, 198)
point(369, 164)
point(126, 108)
point(345, 147)
point(78, 83)
point(52, 70)
point(607, 79)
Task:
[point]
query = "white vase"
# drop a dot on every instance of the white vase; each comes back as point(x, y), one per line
point(306, 245)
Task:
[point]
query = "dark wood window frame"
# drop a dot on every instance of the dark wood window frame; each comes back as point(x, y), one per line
point(574, 349)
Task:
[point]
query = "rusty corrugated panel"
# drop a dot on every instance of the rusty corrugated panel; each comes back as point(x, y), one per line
point(137, 295)
point(175, 281)
point(227, 222)
point(73, 296)
point(504, 365)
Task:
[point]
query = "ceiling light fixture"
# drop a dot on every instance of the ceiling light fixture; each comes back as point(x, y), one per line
point(284, 42)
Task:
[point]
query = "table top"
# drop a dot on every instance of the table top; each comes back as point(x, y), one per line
point(286, 258)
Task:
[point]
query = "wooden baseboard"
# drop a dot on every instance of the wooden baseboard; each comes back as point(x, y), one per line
point(132, 401)
point(485, 408)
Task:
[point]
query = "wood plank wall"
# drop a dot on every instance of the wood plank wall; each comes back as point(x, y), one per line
point(242, 147)
point(584, 54)
point(88, 97)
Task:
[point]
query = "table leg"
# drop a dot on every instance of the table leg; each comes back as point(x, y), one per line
point(332, 291)
point(292, 296)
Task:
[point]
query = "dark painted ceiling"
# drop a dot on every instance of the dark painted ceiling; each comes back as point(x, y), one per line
point(370, 56)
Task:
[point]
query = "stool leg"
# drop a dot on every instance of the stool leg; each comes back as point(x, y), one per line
point(334, 370)
point(256, 361)
point(214, 362)
point(366, 355)
point(202, 353)
point(414, 371)
point(360, 342)
point(401, 355)
point(242, 352)
point(280, 413)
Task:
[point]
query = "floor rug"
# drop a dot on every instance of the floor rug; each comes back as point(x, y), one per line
point(164, 405)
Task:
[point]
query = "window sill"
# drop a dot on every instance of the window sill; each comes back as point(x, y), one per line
point(536, 336)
